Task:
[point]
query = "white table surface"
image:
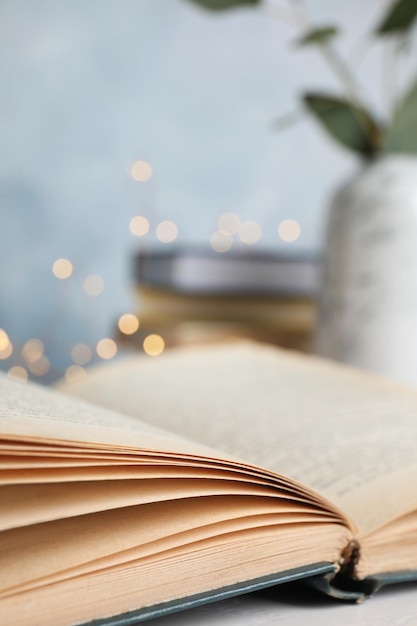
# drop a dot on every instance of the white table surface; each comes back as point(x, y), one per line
point(295, 605)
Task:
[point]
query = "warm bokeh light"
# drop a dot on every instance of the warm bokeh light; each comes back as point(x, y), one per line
point(62, 269)
point(289, 230)
point(229, 223)
point(74, 373)
point(6, 347)
point(93, 285)
point(128, 323)
point(40, 367)
point(106, 348)
point(33, 350)
point(4, 339)
point(81, 353)
point(249, 232)
point(18, 373)
point(166, 231)
point(141, 171)
point(221, 241)
point(139, 226)
point(153, 345)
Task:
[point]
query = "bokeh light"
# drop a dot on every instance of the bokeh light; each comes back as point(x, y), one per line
point(106, 348)
point(166, 231)
point(93, 285)
point(153, 345)
point(74, 373)
point(221, 241)
point(289, 230)
point(18, 373)
point(128, 323)
point(81, 353)
point(229, 223)
point(62, 269)
point(141, 171)
point(40, 367)
point(249, 232)
point(6, 347)
point(33, 350)
point(139, 226)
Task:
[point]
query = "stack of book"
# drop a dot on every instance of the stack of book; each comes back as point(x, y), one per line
point(194, 295)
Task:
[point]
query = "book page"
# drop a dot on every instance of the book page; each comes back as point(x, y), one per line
point(332, 428)
point(29, 411)
point(45, 436)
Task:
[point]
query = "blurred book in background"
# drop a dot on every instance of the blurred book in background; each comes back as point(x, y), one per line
point(190, 295)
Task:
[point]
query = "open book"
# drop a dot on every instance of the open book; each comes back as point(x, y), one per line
point(210, 472)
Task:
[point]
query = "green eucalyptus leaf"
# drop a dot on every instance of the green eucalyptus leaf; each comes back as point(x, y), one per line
point(402, 135)
point(318, 35)
point(399, 18)
point(350, 125)
point(218, 5)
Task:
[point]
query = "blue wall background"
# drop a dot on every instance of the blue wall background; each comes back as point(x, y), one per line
point(89, 86)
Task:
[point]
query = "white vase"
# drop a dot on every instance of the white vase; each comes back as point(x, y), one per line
point(368, 307)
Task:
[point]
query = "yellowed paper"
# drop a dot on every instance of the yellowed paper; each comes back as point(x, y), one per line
point(327, 426)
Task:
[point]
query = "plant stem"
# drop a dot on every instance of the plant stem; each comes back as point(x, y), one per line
point(341, 70)
point(335, 62)
point(389, 76)
point(360, 50)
